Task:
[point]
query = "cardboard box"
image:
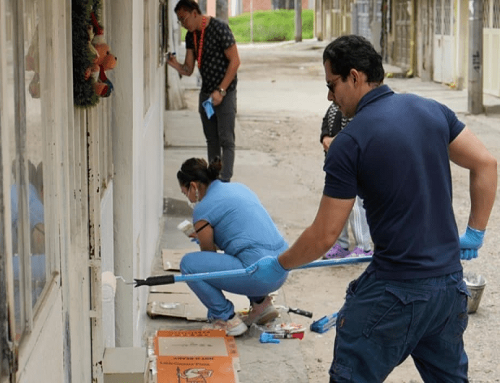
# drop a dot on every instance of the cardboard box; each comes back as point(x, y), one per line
point(196, 356)
point(171, 258)
point(177, 300)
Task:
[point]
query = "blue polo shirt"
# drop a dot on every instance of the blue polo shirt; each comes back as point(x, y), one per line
point(394, 155)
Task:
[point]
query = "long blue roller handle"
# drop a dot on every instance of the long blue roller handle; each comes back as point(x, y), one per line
point(169, 279)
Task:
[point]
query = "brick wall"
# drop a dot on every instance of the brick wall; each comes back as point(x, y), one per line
point(266, 5)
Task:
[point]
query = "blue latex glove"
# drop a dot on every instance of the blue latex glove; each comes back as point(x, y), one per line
point(470, 242)
point(267, 269)
point(209, 107)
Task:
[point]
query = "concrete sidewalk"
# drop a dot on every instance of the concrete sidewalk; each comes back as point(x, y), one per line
point(184, 139)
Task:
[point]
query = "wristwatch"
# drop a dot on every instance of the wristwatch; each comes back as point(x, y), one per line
point(222, 92)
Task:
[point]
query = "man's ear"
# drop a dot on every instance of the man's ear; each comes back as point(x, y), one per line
point(358, 78)
point(355, 75)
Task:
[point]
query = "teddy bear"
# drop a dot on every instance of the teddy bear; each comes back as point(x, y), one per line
point(104, 60)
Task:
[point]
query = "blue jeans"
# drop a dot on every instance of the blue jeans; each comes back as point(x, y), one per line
point(382, 322)
point(210, 291)
point(219, 131)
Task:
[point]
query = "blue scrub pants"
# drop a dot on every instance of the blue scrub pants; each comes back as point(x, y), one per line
point(210, 291)
point(383, 322)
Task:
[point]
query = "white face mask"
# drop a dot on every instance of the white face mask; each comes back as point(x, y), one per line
point(193, 204)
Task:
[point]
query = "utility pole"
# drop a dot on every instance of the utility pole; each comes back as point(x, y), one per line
point(298, 21)
point(251, 21)
point(475, 86)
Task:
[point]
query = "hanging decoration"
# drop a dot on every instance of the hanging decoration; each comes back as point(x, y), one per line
point(92, 57)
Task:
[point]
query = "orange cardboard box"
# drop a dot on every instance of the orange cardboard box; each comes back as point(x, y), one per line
point(192, 356)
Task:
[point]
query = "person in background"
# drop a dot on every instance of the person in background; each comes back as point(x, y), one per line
point(334, 122)
point(229, 217)
point(395, 153)
point(211, 44)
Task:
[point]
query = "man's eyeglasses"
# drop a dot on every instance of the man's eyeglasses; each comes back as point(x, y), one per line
point(183, 21)
point(331, 86)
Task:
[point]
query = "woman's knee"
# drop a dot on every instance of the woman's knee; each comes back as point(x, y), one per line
point(187, 262)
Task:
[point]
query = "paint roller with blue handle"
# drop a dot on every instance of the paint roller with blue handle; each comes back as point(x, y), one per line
point(171, 278)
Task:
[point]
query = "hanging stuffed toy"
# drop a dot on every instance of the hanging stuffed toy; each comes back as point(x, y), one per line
point(92, 57)
point(104, 87)
point(103, 62)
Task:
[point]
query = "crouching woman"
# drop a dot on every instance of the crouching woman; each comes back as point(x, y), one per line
point(229, 217)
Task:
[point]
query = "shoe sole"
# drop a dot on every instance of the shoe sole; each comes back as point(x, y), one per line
point(265, 318)
point(268, 317)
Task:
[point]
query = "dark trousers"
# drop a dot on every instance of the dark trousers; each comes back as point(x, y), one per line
point(219, 131)
point(383, 322)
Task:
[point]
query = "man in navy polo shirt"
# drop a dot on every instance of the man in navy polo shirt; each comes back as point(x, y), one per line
point(395, 154)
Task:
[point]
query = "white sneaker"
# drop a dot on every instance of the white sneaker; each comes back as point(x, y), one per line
point(261, 313)
point(233, 327)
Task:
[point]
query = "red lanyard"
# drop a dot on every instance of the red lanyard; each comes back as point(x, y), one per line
point(200, 50)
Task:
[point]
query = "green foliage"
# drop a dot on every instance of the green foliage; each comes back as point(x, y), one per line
point(269, 26)
point(278, 25)
point(83, 89)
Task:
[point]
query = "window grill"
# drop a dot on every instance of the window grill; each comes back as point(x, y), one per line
point(496, 14)
point(447, 17)
point(438, 18)
point(486, 13)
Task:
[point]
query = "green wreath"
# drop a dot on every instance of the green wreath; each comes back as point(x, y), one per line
point(83, 86)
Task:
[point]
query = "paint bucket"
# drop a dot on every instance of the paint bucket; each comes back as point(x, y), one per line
point(475, 285)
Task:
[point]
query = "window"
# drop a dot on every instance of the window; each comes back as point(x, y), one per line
point(23, 145)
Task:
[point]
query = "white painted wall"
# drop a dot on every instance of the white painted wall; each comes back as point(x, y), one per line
point(138, 164)
point(107, 266)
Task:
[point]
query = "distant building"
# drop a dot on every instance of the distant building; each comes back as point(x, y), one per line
point(237, 7)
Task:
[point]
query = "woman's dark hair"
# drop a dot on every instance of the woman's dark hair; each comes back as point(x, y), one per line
point(197, 170)
point(188, 6)
point(352, 51)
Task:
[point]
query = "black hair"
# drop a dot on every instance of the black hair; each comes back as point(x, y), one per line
point(197, 170)
point(354, 52)
point(188, 6)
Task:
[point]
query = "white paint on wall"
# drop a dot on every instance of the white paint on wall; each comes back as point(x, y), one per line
point(107, 266)
point(138, 162)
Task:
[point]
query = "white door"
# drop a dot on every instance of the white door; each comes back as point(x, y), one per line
point(444, 41)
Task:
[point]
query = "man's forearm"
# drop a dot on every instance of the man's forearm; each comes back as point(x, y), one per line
point(483, 186)
point(307, 248)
